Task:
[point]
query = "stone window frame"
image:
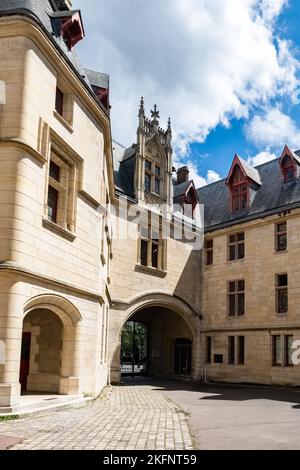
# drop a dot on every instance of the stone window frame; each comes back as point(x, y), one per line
point(209, 252)
point(236, 293)
point(153, 175)
point(208, 349)
point(279, 233)
point(64, 104)
point(149, 225)
point(284, 288)
point(236, 241)
point(236, 350)
point(281, 358)
point(70, 165)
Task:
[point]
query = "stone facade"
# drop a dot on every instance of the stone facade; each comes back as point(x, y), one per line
point(72, 274)
point(261, 321)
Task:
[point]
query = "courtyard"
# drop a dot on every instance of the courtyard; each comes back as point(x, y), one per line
point(166, 415)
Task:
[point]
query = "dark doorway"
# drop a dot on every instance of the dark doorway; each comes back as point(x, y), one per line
point(183, 356)
point(134, 349)
point(25, 360)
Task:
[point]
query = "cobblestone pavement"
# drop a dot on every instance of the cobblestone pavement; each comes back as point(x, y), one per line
point(127, 417)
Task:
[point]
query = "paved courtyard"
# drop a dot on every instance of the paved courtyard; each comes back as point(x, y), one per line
point(150, 415)
point(232, 417)
point(127, 417)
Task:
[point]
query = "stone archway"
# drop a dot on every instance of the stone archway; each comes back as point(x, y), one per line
point(49, 345)
point(167, 318)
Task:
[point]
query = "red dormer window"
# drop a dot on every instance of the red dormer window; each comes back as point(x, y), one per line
point(72, 29)
point(288, 169)
point(239, 187)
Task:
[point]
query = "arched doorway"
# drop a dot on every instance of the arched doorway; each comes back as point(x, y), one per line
point(134, 349)
point(164, 354)
point(183, 357)
point(41, 352)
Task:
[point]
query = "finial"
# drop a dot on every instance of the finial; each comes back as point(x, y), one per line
point(142, 107)
point(155, 115)
point(169, 125)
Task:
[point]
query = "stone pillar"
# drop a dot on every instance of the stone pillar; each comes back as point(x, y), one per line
point(11, 322)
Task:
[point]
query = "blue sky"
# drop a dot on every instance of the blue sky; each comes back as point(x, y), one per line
point(226, 71)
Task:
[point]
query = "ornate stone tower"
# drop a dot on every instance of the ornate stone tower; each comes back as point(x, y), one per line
point(153, 170)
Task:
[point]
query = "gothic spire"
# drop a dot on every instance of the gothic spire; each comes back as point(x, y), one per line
point(142, 107)
point(155, 115)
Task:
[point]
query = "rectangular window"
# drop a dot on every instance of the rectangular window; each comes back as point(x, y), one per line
point(236, 298)
point(59, 102)
point(288, 350)
point(281, 237)
point(147, 183)
point(151, 247)
point(231, 351)
point(52, 204)
point(282, 293)
point(152, 177)
point(61, 191)
point(236, 246)
point(241, 350)
point(277, 350)
point(208, 349)
point(209, 252)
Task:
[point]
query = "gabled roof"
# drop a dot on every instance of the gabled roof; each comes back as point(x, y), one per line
point(98, 79)
point(294, 155)
point(248, 170)
point(272, 196)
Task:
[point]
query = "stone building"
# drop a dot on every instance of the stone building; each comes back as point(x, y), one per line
point(56, 181)
point(93, 234)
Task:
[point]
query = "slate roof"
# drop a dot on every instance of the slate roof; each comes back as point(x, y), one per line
point(98, 79)
point(46, 13)
point(272, 196)
point(180, 189)
point(250, 171)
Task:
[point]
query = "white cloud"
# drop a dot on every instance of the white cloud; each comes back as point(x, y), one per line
point(203, 62)
point(274, 129)
point(262, 157)
point(199, 180)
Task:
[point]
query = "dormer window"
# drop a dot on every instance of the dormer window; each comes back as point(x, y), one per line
point(288, 169)
point(289, 165)
point(68, 24)
point(239, 190)
point(243, 181)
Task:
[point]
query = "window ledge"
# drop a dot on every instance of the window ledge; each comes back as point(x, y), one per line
point(239, 260)
point(63, 121)
point(151, 271)
point(280, 252)
point(59, 230)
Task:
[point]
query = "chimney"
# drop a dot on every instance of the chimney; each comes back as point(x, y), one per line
point(182, 174)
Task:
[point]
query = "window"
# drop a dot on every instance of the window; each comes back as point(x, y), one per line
point(239, 190)
point(236, 246)
point(281, 237)
point(241, 350)
point(209, 252)
point(282, 350)
point(151, 247)
point(288, 350)
point(208, 349)
point(277, 350)
point(52, 204)
point(288, 169)
point(236, 298)
point(61, 194)
point(282, 293)
point(59, 102)
point(231, 351)
point(152, 177)
point(64, 104)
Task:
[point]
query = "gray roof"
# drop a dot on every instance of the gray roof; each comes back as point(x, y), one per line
point(98, 79)
point(272, 196)
point(46, 12)
point(180, 189)
point(250, 171)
